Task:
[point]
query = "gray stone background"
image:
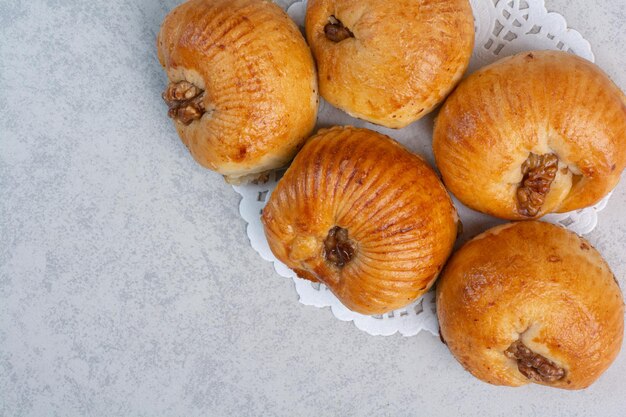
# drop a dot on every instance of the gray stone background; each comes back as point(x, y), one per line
point(127, 284)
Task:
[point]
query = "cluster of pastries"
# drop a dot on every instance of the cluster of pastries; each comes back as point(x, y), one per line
point(532, 134)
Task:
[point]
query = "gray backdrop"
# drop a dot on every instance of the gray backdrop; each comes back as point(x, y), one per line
point(127, 284)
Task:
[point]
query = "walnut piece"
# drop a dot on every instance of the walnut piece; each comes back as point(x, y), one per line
point(539, 171)
point(532, 365)
point(185, 101)
point(336, 31)
point(262, 178)
point(338, 248)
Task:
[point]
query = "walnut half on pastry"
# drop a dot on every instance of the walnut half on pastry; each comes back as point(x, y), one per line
point(242, 84)
point(531, 302)
point(532, 134)
point(362, 214)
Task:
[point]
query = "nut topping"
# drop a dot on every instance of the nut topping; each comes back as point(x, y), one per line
point(336, 31)
point(185, 101)
point(262, 178)
point(539, 171)
point(532, 365)
point(338, 248)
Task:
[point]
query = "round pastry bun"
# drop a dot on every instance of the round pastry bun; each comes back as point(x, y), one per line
point(531, 302)
point(363, 215)
point(243, 86)
point(535, 133)
point(389, 62)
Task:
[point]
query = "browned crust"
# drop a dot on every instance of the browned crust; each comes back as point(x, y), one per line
point(541, 102)
point(390, 62)
point(400, 221)
point(259, 79)
point(538, 283)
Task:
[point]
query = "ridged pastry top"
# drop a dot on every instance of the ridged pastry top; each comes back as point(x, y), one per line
point(531, 302)
point(255, 79)
point(389, 62)
point(531, 134)
point(363, 215)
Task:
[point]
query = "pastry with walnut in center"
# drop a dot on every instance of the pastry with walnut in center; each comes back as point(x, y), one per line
point(532, 134)
point(363, 215)
point(389, 62)
point(531, 302)
point(242, 84)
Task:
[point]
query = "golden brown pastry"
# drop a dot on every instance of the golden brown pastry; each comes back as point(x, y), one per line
point(532, 134)
point(363, 215)
point(243, 87)
point(389, 62)
point(531, 302)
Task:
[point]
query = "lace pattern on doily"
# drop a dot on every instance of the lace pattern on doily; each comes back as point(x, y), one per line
point(503, 27)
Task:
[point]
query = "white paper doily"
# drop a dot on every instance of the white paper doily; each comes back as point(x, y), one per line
point(503, 27)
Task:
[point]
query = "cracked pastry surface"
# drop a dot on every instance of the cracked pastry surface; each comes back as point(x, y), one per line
point(531, 302)
point(389, 63)
point(242, 84)
point(532, 134)
point(362, 214)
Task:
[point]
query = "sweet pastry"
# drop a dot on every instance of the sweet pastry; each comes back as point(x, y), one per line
point(363, 215)
point(532, 134)
point(531, 302)
point(243, 87)
point(389, 62)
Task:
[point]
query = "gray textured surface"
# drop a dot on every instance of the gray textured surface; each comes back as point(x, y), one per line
point(127, 285)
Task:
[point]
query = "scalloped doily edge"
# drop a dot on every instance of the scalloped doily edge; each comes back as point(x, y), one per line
point(547, 19)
